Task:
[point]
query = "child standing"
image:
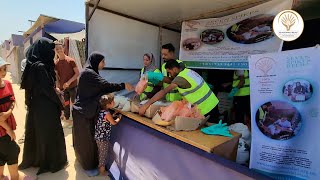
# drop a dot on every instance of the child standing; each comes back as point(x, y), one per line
point(103, 129)
point(9, 149)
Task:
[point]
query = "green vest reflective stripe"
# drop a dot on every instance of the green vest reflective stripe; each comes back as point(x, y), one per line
point(149, 87)
point(245, 90)
point(262, 115)
point(173, 95)
point(199, 93)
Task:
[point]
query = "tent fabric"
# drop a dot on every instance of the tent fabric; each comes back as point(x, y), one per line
point(63, 27)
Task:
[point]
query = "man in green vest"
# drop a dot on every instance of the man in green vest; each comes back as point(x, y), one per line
point(190, 85)
point(241, 96)
point(167, 53)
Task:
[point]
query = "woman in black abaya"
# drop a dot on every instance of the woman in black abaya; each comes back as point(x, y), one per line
point(44, 145)
point(85, 109)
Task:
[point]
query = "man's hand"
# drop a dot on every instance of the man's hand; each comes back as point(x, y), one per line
point(143, 109)
point(5, 115)
point(12, 135)
point(66, 85)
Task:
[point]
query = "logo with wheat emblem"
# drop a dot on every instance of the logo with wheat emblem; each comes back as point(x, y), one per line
point(288, 25)
point(265, 64)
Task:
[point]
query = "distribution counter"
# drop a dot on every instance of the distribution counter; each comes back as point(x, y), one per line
point(143, 150)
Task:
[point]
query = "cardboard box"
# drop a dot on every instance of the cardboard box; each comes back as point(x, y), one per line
point(150, 112)
point(180, 123)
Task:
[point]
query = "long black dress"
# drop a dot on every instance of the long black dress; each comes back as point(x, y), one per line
point(44, 145)
point(85, 110)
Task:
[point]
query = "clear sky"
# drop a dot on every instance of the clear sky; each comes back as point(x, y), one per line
point(16, 13)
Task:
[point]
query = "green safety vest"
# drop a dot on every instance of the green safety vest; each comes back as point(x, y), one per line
point(173, 95)
point(199, 93)
point(150, 86)
point(245, 90)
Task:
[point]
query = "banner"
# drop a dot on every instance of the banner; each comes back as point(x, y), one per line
point(226, 43)
point(285, 110)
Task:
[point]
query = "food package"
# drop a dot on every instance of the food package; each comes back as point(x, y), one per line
point(127, 106)
point(170, 112)
point(142, 85)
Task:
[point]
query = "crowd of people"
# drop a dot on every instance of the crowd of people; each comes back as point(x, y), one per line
point(55, 90)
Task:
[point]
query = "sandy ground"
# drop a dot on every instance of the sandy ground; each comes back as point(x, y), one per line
point(72, 172)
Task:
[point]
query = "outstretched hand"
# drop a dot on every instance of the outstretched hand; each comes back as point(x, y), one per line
point(129, 87)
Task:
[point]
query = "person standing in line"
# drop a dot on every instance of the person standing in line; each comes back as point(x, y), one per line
point(67, 74)
point(86, 108)
point(44, 137)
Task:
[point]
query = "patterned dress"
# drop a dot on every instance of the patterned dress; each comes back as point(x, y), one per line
point(103, 127)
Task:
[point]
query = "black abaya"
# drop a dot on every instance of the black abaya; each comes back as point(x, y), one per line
point(90, 88)
point(44, 144)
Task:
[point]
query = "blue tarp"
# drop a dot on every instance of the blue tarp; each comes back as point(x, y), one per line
point(63, 27)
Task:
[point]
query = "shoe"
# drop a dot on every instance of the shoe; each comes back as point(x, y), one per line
point(92, 172)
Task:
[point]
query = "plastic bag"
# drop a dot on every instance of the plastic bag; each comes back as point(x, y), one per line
point(122, 102)
point(127, 107)
point(117, 100)
point(142, 85)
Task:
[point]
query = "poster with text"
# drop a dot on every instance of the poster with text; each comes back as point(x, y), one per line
point(285, 114)
point(226, 42)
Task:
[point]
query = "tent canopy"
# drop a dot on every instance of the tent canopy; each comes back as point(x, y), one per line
point(63, 27)
point(170, 13)
point(55, 25)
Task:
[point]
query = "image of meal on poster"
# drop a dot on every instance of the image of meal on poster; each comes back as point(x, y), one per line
point(211, 36)
point(298, 90)
point(252, 30)
point(278, 120)
point(191, 44)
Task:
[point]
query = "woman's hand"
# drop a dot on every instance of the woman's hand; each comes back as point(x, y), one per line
point(129, 87)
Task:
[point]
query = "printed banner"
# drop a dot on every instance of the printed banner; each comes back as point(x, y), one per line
point(226, 43)
point(285, 114)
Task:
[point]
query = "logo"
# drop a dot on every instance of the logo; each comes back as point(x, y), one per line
point(191, 24)
point(265, 65)
point(288, 25)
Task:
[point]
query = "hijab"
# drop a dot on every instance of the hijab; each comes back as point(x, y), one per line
point(94, 60)
point(152, 67)
point(41, 51)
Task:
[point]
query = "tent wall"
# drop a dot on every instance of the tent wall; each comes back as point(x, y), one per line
point(123, 41)
point(14, 57)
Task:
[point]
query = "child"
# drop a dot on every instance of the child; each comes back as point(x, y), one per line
point(9, 150)
point(103, 129)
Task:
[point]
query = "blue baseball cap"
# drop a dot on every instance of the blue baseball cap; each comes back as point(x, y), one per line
point(3, 62)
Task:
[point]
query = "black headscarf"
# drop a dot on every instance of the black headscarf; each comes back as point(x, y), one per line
point(39, 52)
point(94, 60)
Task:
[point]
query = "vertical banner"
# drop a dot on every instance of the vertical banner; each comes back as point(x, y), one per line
point(285, 114)
point(226, 42)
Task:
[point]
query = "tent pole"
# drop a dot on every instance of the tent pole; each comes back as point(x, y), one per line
point(94, 9)
point(87, 32)
point(160, 45)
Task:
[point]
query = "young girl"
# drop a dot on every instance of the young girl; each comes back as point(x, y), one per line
point(103, 129)
point(9, 150)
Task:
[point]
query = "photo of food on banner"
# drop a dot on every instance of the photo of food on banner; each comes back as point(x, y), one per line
point(278, 120)
point(252, 30)
point(191, 44)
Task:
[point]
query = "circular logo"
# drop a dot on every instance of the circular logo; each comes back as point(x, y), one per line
point(288, 25)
